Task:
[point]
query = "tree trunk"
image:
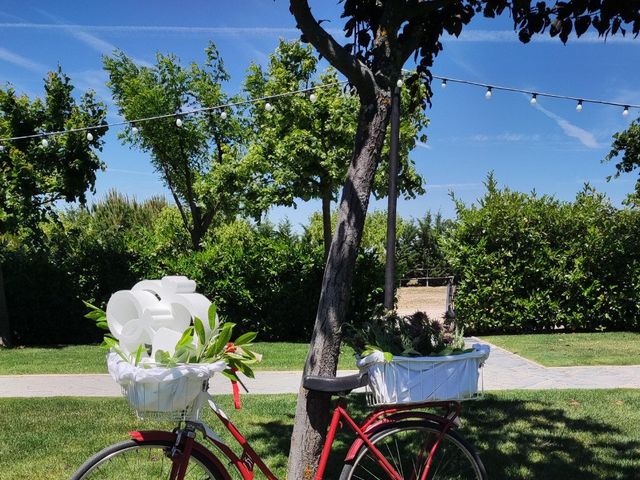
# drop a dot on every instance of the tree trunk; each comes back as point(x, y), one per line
point(6, 337)
point(312, 410)
point(326, 220)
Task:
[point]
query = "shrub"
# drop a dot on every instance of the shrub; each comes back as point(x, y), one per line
point(529, 263)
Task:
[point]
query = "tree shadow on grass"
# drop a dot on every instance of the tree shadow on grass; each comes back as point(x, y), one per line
point(519, 435)
point(538, 438)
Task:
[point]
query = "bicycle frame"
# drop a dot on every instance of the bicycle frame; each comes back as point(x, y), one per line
point(245, 463)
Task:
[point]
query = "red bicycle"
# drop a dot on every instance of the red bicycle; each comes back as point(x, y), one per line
point(394, 442)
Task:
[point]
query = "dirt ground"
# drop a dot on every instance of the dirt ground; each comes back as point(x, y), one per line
point(431, 300)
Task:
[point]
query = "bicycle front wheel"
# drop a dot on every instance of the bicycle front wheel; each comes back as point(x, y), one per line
point(406, 446)
point(144, 460)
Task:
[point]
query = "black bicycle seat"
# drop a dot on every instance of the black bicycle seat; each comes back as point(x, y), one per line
point(335, 384)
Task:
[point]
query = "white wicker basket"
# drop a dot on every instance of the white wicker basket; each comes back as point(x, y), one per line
point(160, 392)
point(424, 379)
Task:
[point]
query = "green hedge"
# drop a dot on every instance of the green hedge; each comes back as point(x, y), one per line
point(529, 263)
point(263, 277)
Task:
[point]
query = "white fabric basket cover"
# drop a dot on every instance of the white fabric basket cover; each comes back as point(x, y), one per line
point(419, 379)
point(161, 389)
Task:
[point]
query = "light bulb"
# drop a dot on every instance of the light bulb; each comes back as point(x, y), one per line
point(489, 94)
point(313, 97)
point(399, 83)
point(134, 130)
point(625, 112)
point(1, 148)
point(178, 122)
point(45, 142)
point(444, 83)
point(223, 115)
point(89, 136)
point(579, 106)
point(268, 107)
point(534, 99)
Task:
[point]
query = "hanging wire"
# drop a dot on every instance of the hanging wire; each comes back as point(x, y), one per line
point(175, 115)
point(445, 81)
point(489, 86)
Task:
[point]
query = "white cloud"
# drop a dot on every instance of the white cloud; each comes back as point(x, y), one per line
point(161, 29)
point(19, 60)
point(79, 32)
point(510, 36)
point(424, 145)
point(441, 186)
point(505, 137)
point(571, 130)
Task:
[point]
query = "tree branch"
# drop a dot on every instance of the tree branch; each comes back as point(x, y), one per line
point(352, 68)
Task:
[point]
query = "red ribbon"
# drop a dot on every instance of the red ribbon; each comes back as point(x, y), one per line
point(236, 391)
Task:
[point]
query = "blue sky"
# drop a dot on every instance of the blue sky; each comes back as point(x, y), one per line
point(551, 148)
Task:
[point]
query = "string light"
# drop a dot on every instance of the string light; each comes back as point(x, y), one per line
point(45, 142)
point(1, 148)
point(399, 83)
point(89, 136)
point(312, 97)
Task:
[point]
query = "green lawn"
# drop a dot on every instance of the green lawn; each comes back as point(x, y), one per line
point(563, 434)
point(574, 349)
point(91, 358)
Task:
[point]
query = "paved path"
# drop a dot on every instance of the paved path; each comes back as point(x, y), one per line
point(503, 371)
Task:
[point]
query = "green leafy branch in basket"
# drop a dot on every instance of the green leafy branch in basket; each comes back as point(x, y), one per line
point(412, 336)
point(195, 345)
point(198, 346)
point(99, 316)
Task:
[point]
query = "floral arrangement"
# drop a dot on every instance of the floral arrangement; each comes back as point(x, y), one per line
point(411, 336)
point(194, 346)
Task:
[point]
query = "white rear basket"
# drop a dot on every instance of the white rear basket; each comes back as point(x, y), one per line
point(424, 379)
point(160, 392)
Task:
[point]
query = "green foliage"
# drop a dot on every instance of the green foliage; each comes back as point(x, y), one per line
point(419, 250)
point(303, 148)
point(202, 162)
point(33, 177)
point(627, 144)
point(529, 263)
point(412, 335)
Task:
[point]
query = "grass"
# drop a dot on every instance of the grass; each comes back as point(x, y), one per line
point(585, 434)
point(91, 358)
point(574, 349)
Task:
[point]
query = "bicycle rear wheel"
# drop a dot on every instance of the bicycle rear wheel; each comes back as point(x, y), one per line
point(143, 460)
point(406, 446)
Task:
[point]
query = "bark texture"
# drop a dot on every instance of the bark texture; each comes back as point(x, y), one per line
point(312, 410)
point(326, 220)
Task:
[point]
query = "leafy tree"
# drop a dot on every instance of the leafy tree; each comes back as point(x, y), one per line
point(383, 35)
point(419, 247)
point(201, 162)
point(34, 176)
point(627, 144)
point(303, 147)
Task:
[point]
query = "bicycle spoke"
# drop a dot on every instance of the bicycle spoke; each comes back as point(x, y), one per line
point(142, 462)
point(407, 448)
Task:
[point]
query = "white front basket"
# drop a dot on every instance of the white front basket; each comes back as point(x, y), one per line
point(424, 379)
point(161, 392)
